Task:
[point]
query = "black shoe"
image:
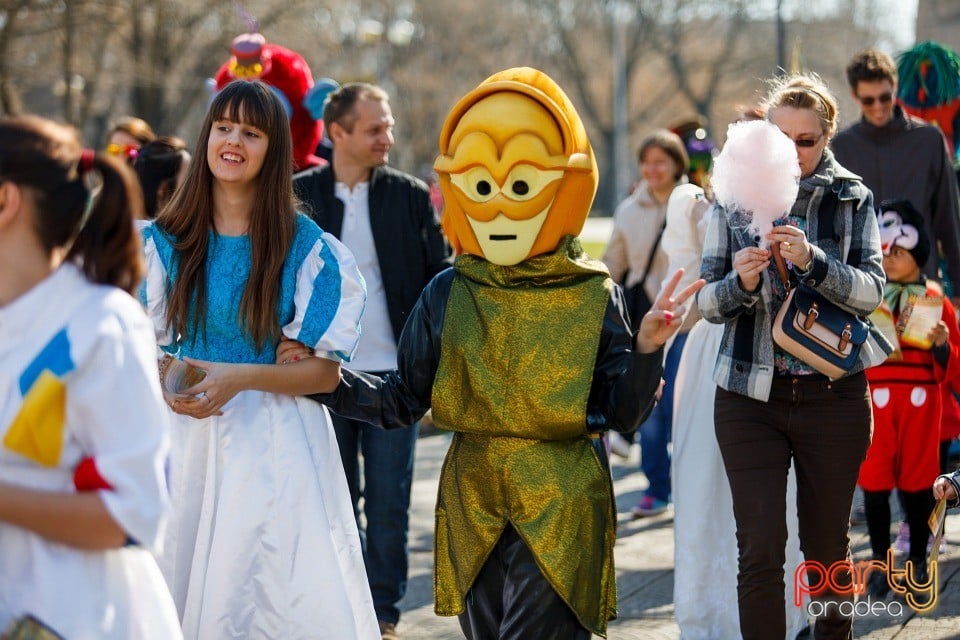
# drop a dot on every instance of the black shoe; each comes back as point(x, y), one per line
point(877, 586)
point(919, 575)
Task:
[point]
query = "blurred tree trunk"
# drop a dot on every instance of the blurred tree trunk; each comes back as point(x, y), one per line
point(173, 51)
point(68, 60)
point(10, 13)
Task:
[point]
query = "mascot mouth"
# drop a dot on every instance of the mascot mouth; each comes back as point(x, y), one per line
point(507, 242)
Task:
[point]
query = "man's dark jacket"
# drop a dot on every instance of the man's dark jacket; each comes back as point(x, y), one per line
point(907, 158)
point(411, 248)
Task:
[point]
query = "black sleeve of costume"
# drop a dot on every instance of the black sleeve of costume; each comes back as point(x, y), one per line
point(625, 382)
point(621, 394)
point(402, 396)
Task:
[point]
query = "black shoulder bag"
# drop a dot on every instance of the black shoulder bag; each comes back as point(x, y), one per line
point(636, 298)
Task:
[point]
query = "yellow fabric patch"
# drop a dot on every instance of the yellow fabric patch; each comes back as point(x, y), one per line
point(37, 430)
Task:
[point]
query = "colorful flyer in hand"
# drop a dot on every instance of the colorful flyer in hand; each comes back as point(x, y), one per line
point(919, 319)
point(883, 320)
point(936, 527)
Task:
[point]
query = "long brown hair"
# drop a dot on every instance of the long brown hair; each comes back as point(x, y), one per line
point(188, 217)
point(45, 156)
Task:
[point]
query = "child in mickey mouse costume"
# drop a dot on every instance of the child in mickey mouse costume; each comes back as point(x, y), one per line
point(905, 389)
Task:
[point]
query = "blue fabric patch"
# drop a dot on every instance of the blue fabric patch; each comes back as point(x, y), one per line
point(54, 357)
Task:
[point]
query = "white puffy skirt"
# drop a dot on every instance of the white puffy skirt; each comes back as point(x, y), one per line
point(263, 542)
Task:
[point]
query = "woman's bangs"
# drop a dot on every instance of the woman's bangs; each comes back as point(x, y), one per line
point(244, 105)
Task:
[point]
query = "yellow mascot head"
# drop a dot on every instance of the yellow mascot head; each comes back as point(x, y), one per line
point(516, 169)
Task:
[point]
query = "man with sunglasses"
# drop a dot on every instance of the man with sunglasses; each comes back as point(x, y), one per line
point(901, 157)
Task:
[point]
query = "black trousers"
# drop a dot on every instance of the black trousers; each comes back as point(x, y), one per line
point(825, 427)
point(511, 600)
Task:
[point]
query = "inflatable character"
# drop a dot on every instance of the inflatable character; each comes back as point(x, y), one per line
point(929, 88)
point(288, 74)
point(522, 349)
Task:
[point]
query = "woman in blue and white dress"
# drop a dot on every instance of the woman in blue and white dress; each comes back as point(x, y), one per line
point(83, 429)
point(263, 541)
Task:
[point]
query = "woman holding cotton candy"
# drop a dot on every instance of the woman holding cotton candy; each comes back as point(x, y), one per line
point(782, 185)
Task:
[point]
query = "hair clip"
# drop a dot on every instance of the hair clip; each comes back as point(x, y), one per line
point(86, 161)
point(128, 151)
point(93, 184)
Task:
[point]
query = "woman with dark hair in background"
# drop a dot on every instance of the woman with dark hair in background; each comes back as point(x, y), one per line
point(84, 430)
point(161, 166)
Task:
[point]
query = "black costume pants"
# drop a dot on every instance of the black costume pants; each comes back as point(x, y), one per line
point(512, 600)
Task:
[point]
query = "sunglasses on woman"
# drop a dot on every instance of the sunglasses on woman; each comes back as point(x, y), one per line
point(884, 98)
point(127, 151)
point(806, 143)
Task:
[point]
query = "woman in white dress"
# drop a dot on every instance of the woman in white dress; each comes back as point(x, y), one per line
point(704, 531)
point(84, 430)
point(263, 542)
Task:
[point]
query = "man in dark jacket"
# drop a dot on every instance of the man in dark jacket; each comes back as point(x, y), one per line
point(901, 157)
point(386, 219)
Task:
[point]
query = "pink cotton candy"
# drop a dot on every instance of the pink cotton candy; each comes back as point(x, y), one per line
point(757, 171)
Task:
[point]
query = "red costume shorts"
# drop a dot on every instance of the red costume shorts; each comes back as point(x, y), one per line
point(905, 451)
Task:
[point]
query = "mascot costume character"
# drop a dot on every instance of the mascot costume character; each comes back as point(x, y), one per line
point(523, 350)
point(929, 88)
point(287, 73)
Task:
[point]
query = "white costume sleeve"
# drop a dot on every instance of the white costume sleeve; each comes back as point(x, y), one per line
point(329, 300)
point(683, 241)
point(153, 289)
point(122, 423)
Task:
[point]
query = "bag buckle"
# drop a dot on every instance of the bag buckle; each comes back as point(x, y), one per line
point(845, 336)
point(812, 314)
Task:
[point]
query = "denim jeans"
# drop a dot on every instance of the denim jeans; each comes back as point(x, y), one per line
point(657, 430)
point(387, 478)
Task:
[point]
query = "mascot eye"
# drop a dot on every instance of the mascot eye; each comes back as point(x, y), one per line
point(889, 219)
point(476, 183)
point(526, 181)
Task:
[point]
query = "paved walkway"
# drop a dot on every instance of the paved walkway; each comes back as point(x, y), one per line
point(644, 559)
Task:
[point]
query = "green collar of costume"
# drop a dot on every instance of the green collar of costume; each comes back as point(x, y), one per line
point(896, 295)
point(519, 344)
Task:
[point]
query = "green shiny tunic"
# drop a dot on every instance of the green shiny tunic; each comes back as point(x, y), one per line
point(520, 344)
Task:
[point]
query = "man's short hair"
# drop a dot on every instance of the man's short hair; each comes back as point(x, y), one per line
point(340, 107)
point(871, 65)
